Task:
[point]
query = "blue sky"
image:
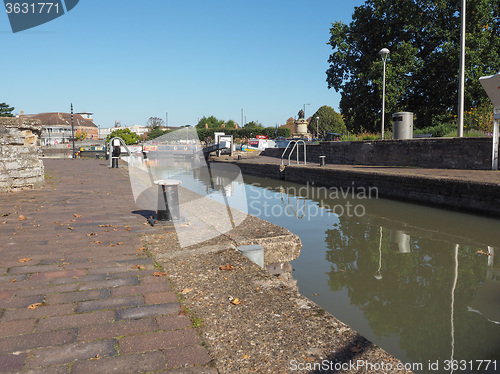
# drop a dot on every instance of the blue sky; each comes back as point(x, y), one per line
point(130, 60)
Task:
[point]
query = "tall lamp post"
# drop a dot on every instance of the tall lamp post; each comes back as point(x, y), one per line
point(461, 91)
point(72, 131)
point(384, 52)
point(317, 127)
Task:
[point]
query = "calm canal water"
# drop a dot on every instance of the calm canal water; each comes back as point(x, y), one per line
point(422, 283)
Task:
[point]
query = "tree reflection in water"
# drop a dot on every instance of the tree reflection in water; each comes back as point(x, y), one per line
point(410, 296)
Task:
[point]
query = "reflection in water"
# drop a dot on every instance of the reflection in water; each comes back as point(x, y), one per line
point(422, 283)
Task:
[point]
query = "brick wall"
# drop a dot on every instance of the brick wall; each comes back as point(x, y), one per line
point(441, 153)
point(21, 165)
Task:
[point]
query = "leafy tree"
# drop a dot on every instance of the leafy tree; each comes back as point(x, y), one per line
point(5, 110)
point(129, 137)
point(329, 121)
point(211, 121)
point(154, 122)
point(253, 124)
point(423, 37)
point(155, 132)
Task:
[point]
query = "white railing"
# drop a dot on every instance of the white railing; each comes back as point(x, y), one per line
point(295, 144)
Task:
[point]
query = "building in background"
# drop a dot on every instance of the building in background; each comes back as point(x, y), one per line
point(56, 127)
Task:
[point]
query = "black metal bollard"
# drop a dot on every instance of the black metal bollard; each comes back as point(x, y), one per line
point(168, 192)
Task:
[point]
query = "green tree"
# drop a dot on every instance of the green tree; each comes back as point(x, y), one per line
point(211, 121)
point(5, 110)
point(129, 137)
point(156, 132)
point(423, 37)
point(329, 121)
point(253, 124)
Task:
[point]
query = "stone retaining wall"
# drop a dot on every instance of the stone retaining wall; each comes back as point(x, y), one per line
point(470, 196)
point(439, 153)
point(21, 165)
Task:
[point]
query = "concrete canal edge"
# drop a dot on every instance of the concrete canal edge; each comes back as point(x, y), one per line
point(436, 188)
point(253, 321)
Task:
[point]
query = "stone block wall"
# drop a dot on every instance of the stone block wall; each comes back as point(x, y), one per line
point(440, 153)
point(21, 165)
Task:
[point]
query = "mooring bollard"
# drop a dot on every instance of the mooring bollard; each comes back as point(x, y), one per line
point(322, 160)
point(168, 192)
point(116, 153)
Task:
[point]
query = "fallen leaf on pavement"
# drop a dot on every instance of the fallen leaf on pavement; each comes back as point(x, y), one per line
point(159, 274)
point(77, 215)
point(141, 249)
point(227, 267)
point(484, 253)
point(186, 290)
point(34, 306)
point(92, 234)
point(140, 267)
point(24, 260)
point(70, 228)
point(22, 218)
point(236, 301)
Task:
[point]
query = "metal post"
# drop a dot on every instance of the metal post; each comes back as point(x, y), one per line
point(461, 90)
point(384, 52)
point(317, 127)
point(72, 131)
point(494, 158)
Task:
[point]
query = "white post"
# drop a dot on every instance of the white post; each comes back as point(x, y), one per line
point(494, 158)
point(383, 53)
point(460, 116)
point(383, 103)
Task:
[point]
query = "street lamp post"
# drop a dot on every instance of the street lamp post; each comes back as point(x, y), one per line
point(317, 127)
point(72, 131)
point(384, 52)
point(461, 90)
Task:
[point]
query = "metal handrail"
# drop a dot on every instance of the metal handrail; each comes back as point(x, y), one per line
point(296, 142)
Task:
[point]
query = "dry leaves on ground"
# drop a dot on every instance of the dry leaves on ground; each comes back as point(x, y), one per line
point(77, 215)
point(186, 291)
point(24, 260)
point(159, 274)
point(139, 267)
point(484, 253)
point(34, 306)
point(227, 267)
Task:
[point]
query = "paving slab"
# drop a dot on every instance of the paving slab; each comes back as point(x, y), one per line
point(78, 294)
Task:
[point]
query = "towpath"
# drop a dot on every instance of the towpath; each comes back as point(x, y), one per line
point(78, 293)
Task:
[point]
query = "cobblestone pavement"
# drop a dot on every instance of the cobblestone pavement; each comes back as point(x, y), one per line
point(77, 292)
